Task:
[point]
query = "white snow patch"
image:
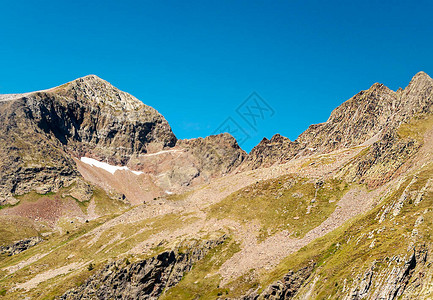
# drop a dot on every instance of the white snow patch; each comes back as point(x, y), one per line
point(168, 192)
point(106, 167)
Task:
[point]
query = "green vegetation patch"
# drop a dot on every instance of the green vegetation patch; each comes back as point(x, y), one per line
point(33, 197)
point(286, 203)
point(416, 127)
point(104, 205)
point(15, 228)
point(127, 236)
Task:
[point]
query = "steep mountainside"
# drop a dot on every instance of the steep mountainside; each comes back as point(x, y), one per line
point(43, 131)
point(106, 206)
point(365, 118)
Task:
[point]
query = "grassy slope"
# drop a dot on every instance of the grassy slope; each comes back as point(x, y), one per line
point(347, 250)
point(338, 256)
point(193, 284)
point(275, 204)
point(75, 247)
point(288, 197)
point(14, 228)
point(282, 204)
point(62, 249)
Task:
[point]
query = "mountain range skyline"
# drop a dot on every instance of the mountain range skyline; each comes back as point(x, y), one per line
point(241, 123)
point(302, 58)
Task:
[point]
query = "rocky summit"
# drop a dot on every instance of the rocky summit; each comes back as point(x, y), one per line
point(100, 200)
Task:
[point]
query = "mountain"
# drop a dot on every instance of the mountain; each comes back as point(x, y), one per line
point(365, 118)
point(101, 200)
point(44, 131)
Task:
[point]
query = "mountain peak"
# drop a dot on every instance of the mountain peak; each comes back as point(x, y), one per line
point(91, 78)
point(419, 87)
point(279, 138)
point(421, 78)
point(94, 88)
point(421, 74)
point(378, 87)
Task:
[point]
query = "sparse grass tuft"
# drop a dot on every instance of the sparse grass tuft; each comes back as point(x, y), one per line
point(90, 267)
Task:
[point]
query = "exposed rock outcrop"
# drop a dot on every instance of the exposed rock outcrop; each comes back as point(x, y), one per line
point(98, 119)
point(278, 149)
point(390, 282)
point(20, 246)
point(214, 155)
point(145, 279)
point(380, 162)
point(285, 288)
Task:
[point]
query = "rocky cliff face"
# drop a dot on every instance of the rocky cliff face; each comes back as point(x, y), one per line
point(367, 117)
point(30, 159)
point(42, 131)
point(392, 282)
point(214, 155)
point(286, 288)
point(91, 117)
point(146, 279)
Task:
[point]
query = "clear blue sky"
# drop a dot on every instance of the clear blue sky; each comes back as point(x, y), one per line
point(196, 62)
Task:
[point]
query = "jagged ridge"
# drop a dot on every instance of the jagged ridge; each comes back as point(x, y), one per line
point(366, 117)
